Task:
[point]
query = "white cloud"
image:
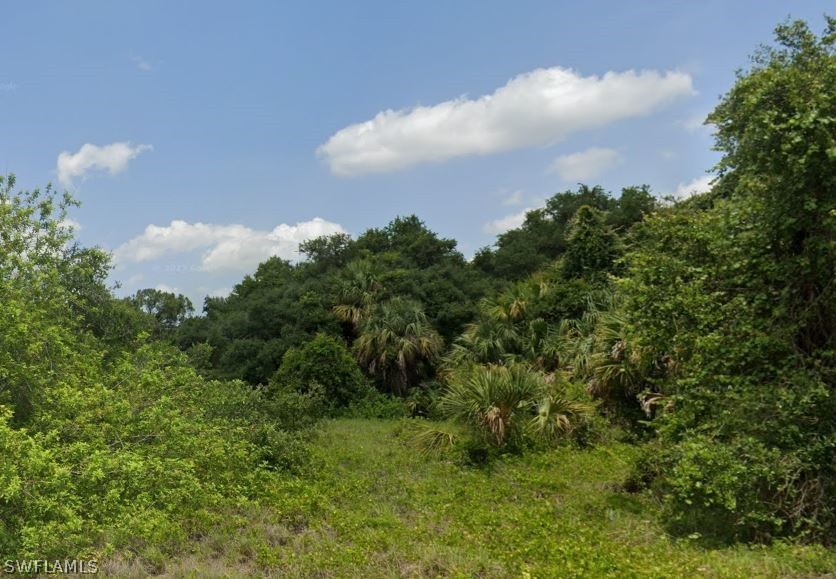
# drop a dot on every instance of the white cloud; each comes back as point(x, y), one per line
point(162, 287)
point(133, 280)
point(698, 185)
point(220, 292)
point(70, 223)
point(226, 247)
point(114, 158)
point(515, 198)
point(142, 64)
point(536, 108)
point(585, 165)
point(503, 224)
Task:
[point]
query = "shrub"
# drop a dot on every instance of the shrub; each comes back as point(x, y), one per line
point(106, 441)
point(325, 361)
point(376, 404)
point(730, 296)
point(505, 406)
point(723, 490)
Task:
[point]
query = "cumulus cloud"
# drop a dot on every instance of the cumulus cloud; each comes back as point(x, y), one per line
point(506, 223)
point(536, 108)
point(698, 185)
point(113, 158)
point(225, 247)
point(585, 165)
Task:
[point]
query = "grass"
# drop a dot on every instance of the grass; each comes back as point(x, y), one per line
point(374, 507)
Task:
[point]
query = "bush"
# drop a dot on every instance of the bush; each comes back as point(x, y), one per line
point(507, 407)
point(729, 297)
point(376, 404)
point(725, 491)
point(296, 410)
point(325, 361)
point(107, 442)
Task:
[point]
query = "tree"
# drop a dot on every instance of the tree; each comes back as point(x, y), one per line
point(502, 405)
point(358, 289)
point(133, 430)
point(542, 238)
point(410, 239)
point(397, 344)
point(777, 130)
point(591, 245)
point(329, 251)
point(728, 300)
point(631, 207)
point(167, 309)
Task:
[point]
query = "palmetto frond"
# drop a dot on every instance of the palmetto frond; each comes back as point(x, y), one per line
point(358, 290)
point(493, 399)
point(434, 440)
point(558, 415)
point(395, 339)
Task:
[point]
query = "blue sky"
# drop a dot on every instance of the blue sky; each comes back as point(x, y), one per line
point(236, 129)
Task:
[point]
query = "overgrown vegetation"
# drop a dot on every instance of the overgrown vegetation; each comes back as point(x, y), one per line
point(373, 507)
point(671, 353)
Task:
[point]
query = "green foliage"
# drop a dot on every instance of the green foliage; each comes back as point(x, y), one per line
point(591, 245)
point(397, 345)
point(279, 307)
point(376, 508)
point(776, 129)
point(732, 489)
point(707, 323)
point(285, 305)
point(358, 289)
point(731, 301)
point(328, 252)
point(505, 405)
point(106, 442)
point(376, 404)
point(165, 308)
point(522, 323)
point(542, 238)
point(325, 361)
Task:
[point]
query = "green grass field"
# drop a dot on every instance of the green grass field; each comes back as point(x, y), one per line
point(374, 507)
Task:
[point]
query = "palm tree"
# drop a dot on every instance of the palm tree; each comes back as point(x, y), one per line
point(504, 332)
point(357, 292)
point(486, 341)
point(597, 349)
point(397, 343)
point(512, 305)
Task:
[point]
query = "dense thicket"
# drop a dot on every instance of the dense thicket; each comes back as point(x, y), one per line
point(107, 439)
point(735, 303)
